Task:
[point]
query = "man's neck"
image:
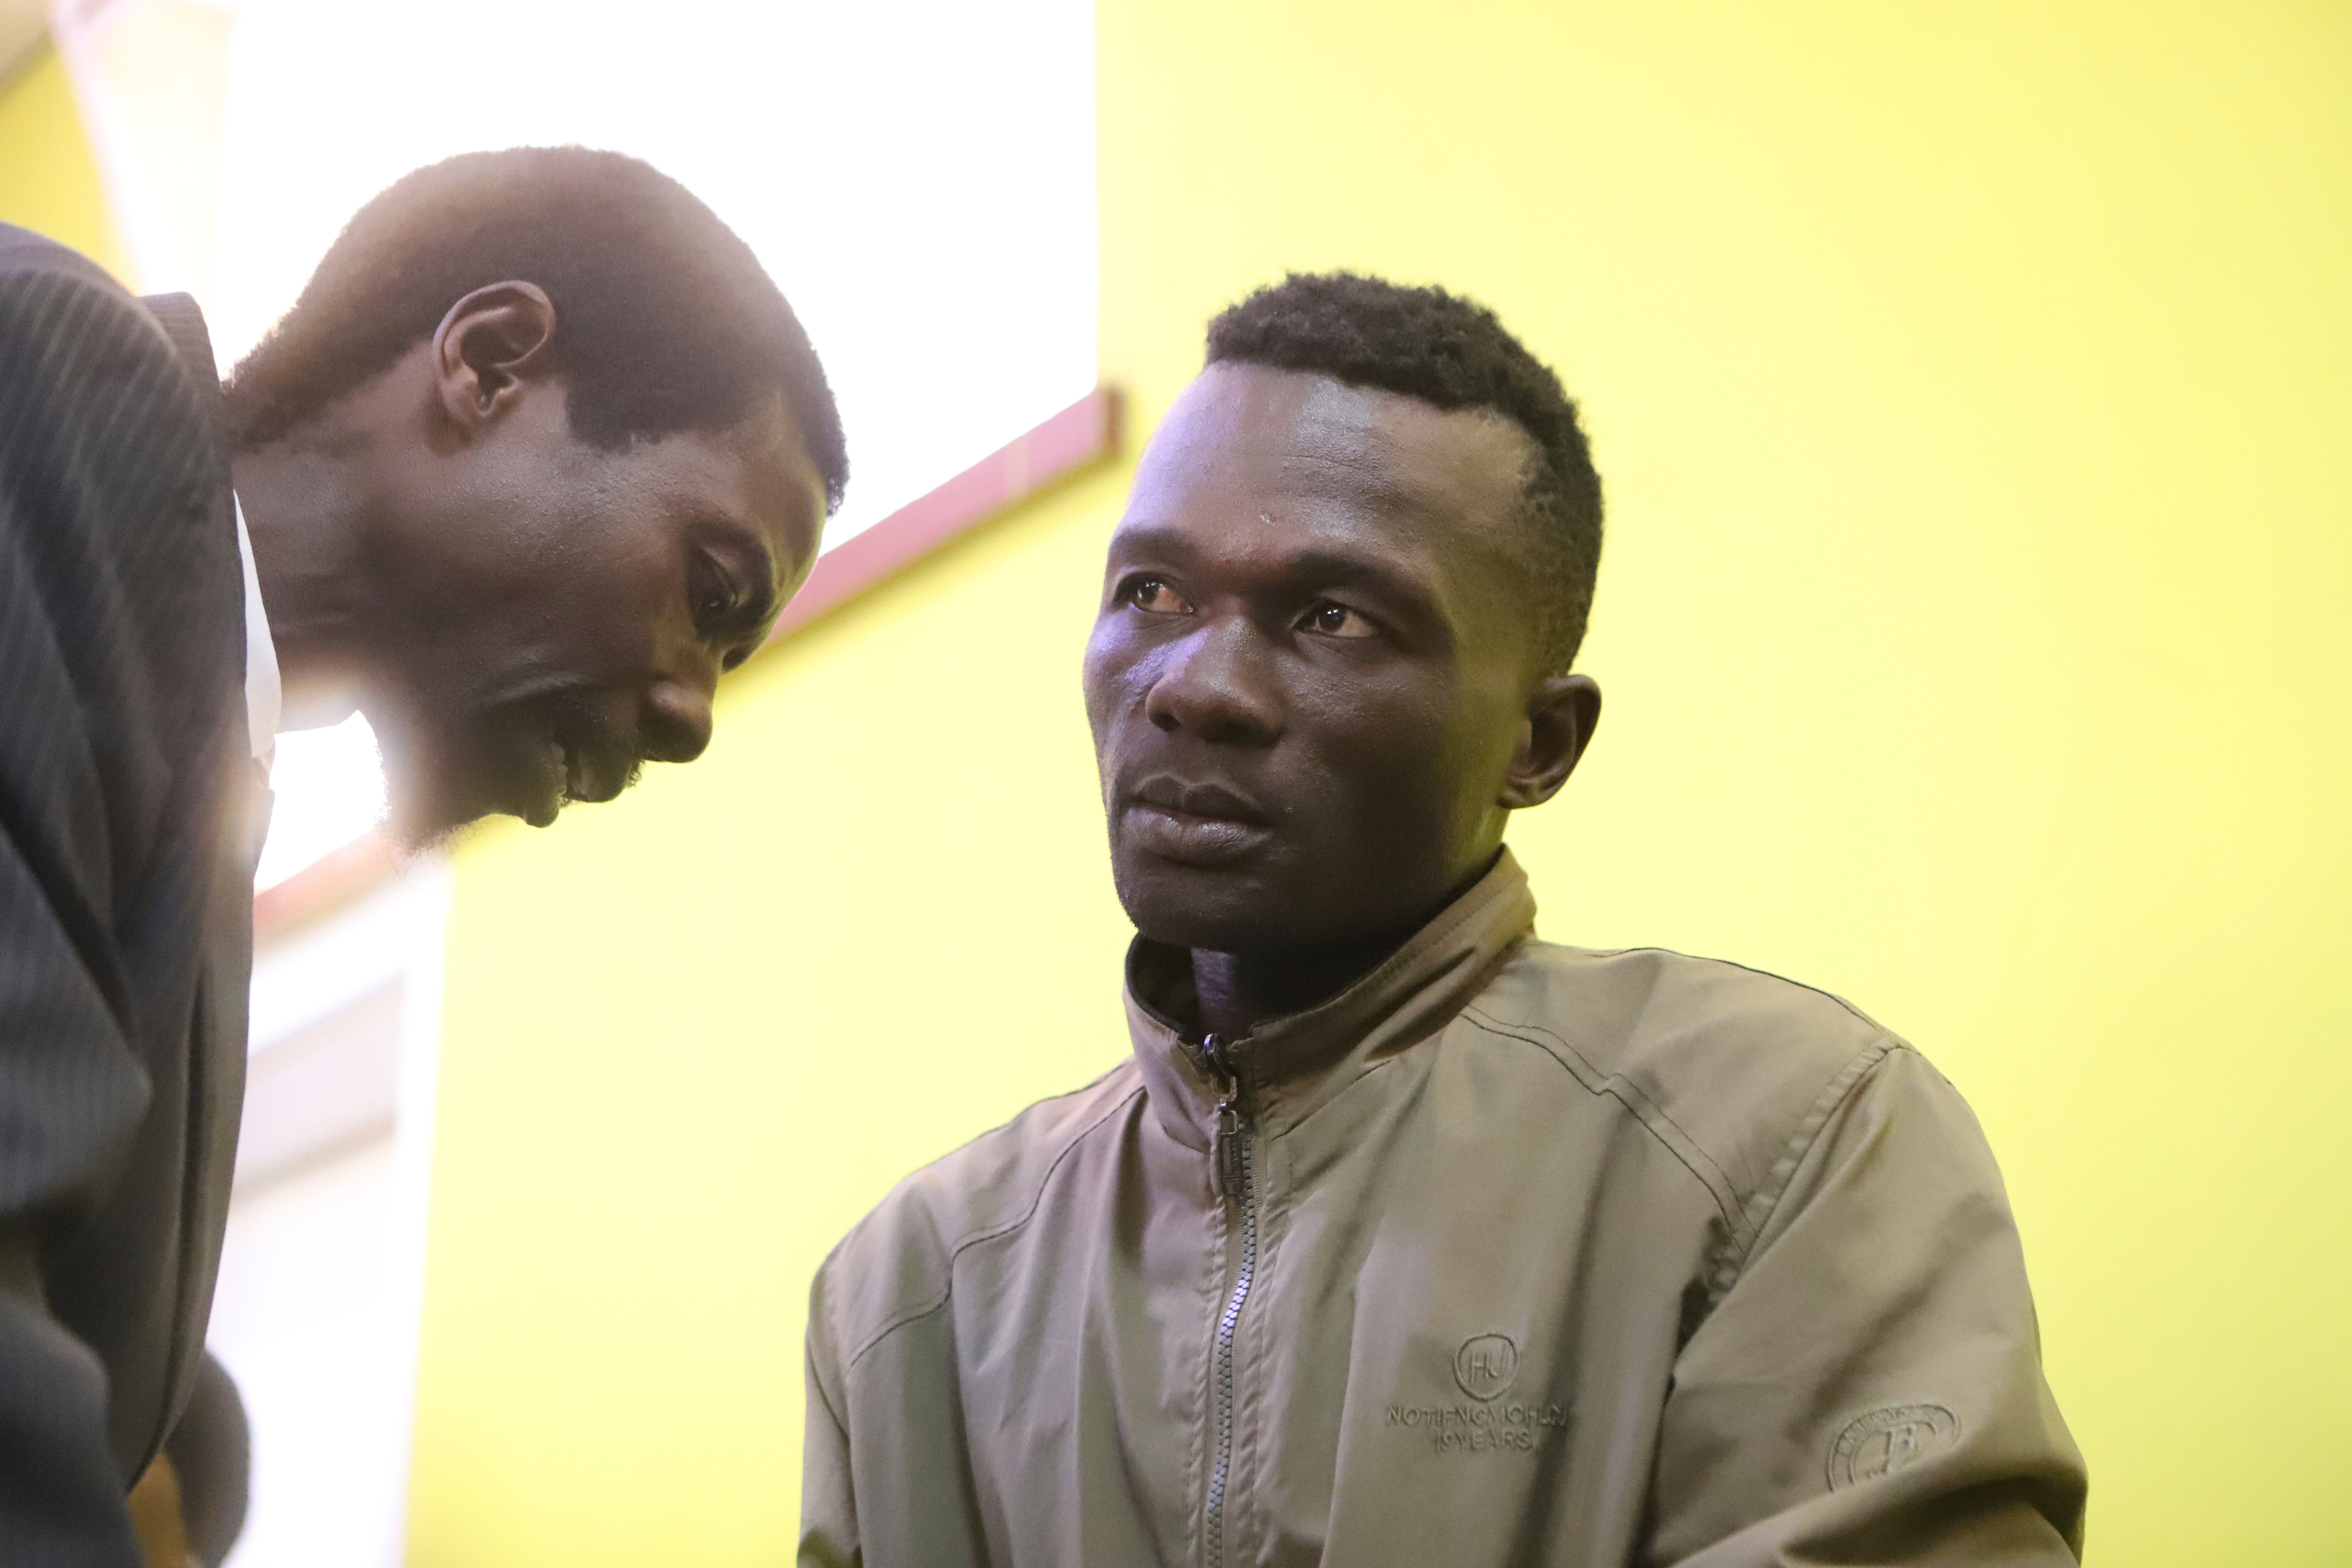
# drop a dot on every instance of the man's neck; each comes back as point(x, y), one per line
point(1239, 991)
point(300, 506)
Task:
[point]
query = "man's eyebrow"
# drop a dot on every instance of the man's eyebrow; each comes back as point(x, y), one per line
point(1310, 564)
point(1154, 539)
point(1356, 571)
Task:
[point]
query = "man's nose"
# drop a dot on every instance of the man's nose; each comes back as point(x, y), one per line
point(1218, 685)
point(676, 724)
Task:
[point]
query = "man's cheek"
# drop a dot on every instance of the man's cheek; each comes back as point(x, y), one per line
point(1389, 777)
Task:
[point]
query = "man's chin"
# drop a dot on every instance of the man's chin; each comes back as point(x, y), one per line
point(443, 777)
point(421, 824)
point(428, 829)
point(436, 789)
point(427, 811)
point(1269, 909)
point(1217, 910)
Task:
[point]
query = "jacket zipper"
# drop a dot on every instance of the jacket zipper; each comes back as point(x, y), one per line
point(1236, 1177)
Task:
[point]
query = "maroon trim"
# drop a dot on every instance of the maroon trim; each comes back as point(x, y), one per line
point(325, 885)
point(1080, 436)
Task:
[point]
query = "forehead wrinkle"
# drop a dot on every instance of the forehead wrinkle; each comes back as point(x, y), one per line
point(1361, 478)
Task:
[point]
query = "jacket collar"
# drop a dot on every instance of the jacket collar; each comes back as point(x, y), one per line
point(1291, 1064)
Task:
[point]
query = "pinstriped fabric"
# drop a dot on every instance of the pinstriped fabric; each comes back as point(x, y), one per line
point(125, 877)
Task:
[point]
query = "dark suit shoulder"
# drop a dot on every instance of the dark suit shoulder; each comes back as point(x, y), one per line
point(22, 251)
point(121, 643)
point(69, 330)
point(28, 260)
point(111, 452)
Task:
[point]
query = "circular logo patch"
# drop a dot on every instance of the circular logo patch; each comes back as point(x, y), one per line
point(1891, 1439)
point(1485, 1366)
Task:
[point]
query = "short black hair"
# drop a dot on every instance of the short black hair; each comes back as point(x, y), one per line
point(1451, 351)
point(664, 320)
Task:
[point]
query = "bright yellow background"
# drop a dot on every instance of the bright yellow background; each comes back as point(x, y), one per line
point(1972, 384)
point(49, 179)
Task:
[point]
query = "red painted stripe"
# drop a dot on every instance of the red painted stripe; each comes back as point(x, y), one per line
point(325, 885)
point(1084, 434)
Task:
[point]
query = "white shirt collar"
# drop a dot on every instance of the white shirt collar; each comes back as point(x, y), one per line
point(264, 695)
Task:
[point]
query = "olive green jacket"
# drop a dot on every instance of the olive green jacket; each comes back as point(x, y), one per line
point(1509, 1254)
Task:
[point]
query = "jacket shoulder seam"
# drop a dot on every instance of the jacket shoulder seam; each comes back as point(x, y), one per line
point(1637, 1104)
point(1765, 1201)
point(946, 1291)
point(1868, 1022)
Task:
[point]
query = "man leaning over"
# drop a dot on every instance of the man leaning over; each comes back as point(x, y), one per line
point(538, 453)
point(1402, 1236)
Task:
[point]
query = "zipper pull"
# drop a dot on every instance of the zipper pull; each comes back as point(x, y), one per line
point(1226, 1155)
point(1229, 1151)
point(1216, 1060)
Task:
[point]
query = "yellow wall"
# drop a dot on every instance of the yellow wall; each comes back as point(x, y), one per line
point(49, 179)
point(1972, 384)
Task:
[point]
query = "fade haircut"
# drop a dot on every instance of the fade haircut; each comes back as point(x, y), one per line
point(1450, 351)
point(665, 322)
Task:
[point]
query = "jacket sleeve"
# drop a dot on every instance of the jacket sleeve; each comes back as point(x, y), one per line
point(1869, 1389)
point(72, 1087)
point(828, 1505)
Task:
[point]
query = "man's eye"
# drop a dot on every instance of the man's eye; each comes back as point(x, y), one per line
point(1153, 596)
point(1337, 621)
point(713, 595)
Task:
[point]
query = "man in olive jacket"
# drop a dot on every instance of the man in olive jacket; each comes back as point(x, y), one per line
point(1402, 1236)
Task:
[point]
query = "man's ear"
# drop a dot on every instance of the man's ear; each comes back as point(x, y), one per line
point(492, 342)
point(1562, 714)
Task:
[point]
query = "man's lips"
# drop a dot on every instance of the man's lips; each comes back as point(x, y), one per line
point(562, 768)
point(1193, 823)
point(544, 783)
point(1209, 802)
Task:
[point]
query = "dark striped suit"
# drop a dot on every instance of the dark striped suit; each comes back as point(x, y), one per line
point(129, 823)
